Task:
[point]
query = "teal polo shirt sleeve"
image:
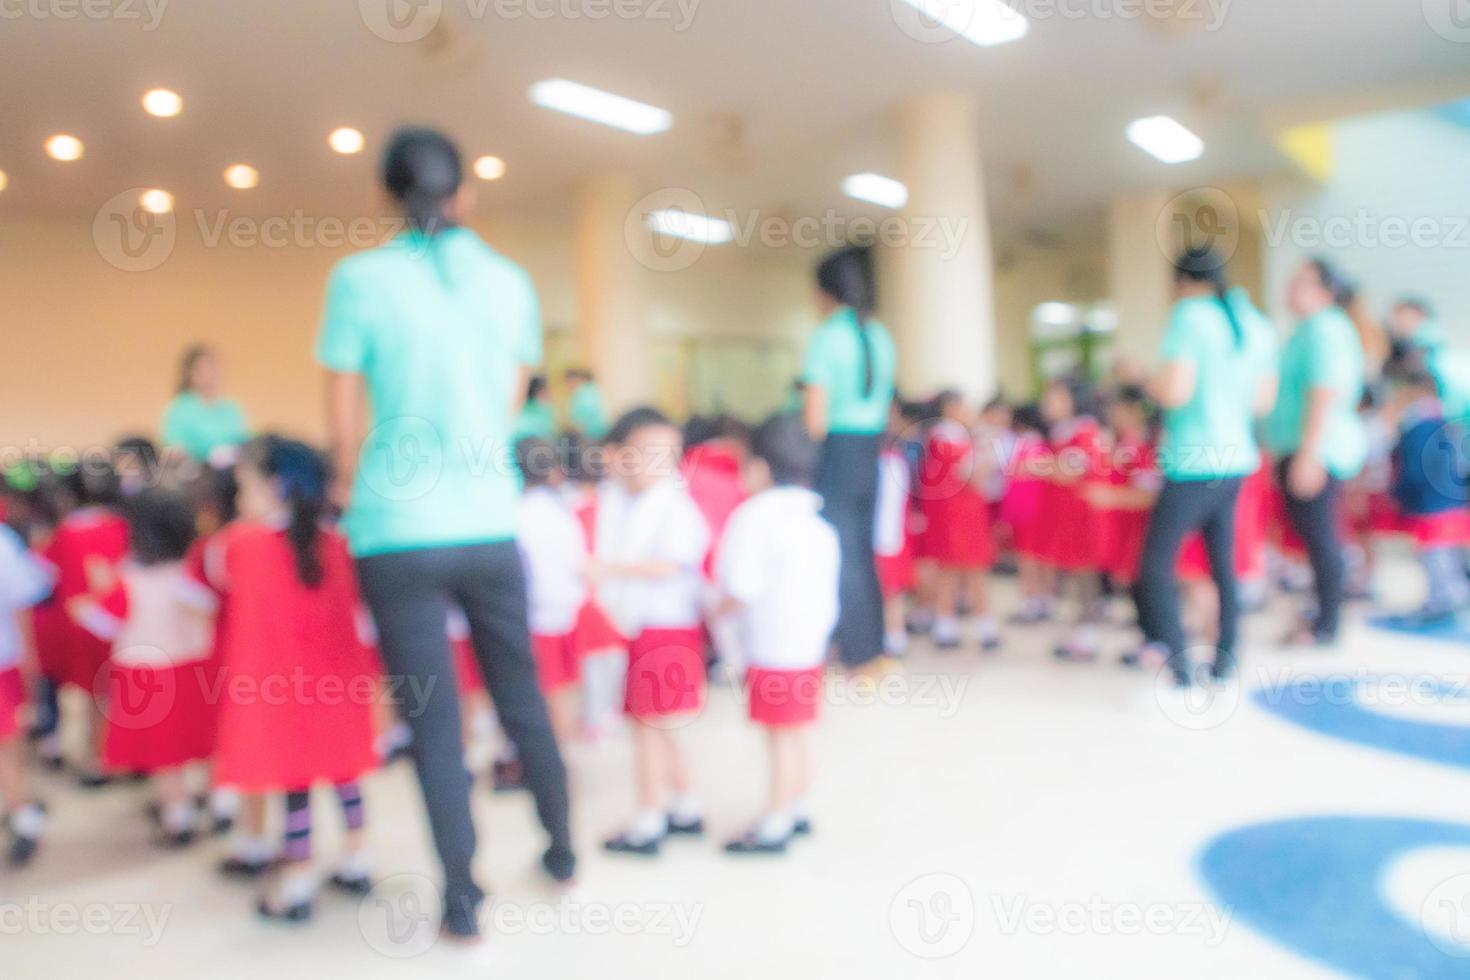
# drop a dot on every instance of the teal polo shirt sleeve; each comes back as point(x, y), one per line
point(343, 344)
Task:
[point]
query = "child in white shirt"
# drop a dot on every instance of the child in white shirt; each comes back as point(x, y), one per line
point(650, 542)
point(24, 581)
point(777, 570)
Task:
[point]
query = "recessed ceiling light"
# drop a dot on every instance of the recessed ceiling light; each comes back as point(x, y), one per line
point(4, 180)
point(162, 103)
point(1165, 139)
point(241, 176)
point(600, 107)
point(64, 146)
point(691, 227)
point(876, 189)
point(489, 168)
point(156, 201)
point(346, 140)
point(983, 22)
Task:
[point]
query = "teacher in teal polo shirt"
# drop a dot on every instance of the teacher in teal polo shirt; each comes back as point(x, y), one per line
point(198, 420)
point(1315, 431)
point(848, 377)
point(428, 343)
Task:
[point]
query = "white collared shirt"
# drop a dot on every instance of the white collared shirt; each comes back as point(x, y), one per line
point(24, 581)
point(780, 559)
point(555, 552)
point(891, 513)
point(660, 524)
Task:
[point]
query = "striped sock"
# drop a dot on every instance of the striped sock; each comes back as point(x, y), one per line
point(298, 826)
point(350, 796)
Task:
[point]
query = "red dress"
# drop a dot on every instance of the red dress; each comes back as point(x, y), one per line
point(298, 687)
point(69, 655)
point(1025, 496)
point(1134, 465)
point(893, 548)
point(594, 632)
point(956, 514)
point(1071, 522)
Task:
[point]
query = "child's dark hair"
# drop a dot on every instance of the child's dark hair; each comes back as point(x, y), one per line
point(93, 482)
point(1081, 391)
point(1028, 418)
point(943, 400)
point(643, 417)
point(1131, 395)
point(536, 459)
point(302, 475)
point(160, 526)
point(788, 450)
point(1419, 379)
point(578, 457)
point(995, 404)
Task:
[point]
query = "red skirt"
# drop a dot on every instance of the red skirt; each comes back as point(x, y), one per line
point(1123, 543)
point(69, 655)
point(958, 531)
point(158, 717)
point(780, 698)
point(466, 668)
point(1070, 525)
point(594, 632)
point(556, 661)
point(1452, 527)
point(12, 700)
point(896, 574)
point(665, 673)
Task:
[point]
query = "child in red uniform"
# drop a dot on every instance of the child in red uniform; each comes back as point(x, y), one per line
point(159, 622)
point(777, 575)
point(24, 581)
point(88, 543)
point(1134, 481)
point(651, 543)
point(956, 522)
point(1078, 445)
point(298, 683)
point(892, 550)
point(1022, 509)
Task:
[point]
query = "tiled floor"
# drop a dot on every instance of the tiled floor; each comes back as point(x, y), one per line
point(977, 816)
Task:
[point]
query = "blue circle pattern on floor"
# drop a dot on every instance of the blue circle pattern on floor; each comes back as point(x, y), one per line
point(1331, 706)
point(1313, 885)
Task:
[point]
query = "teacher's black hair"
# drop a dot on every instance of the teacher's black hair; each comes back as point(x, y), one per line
point(422, 169)
point(846, 276)
point(1203, 265)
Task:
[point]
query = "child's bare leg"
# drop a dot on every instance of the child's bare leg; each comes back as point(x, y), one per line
point(895, 630)
point(250, 849)
point(651, 766)
point(23, 816)
point(946, 599)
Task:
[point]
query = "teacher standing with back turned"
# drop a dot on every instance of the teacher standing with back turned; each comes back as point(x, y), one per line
point(434, 334)
point(849, 387)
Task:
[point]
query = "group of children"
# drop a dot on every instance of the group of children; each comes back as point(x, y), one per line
point(1060, 492)
point(211, 619)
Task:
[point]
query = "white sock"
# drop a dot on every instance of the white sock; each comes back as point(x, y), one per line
point(297, 887)
point(684, 808)
point(896, 642)
point(29, 821)
point(986, 629)
point(179, 817)
point(775, 826)
point(355, 866)
point(946, 629)
point(246, 847)
point(647, 825)
point(224, 803)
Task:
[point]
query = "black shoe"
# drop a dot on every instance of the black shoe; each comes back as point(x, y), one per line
point(560, 863)
point(93, 780)
point(173, 840)
point(461, 923)
point(623, 844)
point(221, 825)
point(1132, 659)
point(507, 776)
point(752, 844)
point(690, 828)
point(360, 886)
point(990, 644)
point(22, 850)
point(52, 763)
point(948, 643)
point(1223, 667)
point(237, 867)
point(298, 913)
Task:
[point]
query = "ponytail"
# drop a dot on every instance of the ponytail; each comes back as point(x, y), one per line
point(1202, 265)
point(302, 476)
point(846, 276)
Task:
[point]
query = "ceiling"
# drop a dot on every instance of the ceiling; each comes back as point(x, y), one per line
point(774, 100)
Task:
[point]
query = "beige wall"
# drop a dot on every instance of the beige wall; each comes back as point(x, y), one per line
point(93, 350)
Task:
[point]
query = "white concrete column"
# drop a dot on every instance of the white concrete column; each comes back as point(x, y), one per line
point(610, 293)
point(1140, 276)
point(944, 310)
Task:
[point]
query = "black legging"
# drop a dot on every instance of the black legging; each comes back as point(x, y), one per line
point(1315, 522)
point(847, 479)
point(1207, 506)
point(409, 594)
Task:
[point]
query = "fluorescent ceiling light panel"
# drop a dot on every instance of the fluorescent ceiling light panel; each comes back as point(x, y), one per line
point(600, 107)
point(984, 22)
point(876, 189)
point(691, 227)
point(1165, 139)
